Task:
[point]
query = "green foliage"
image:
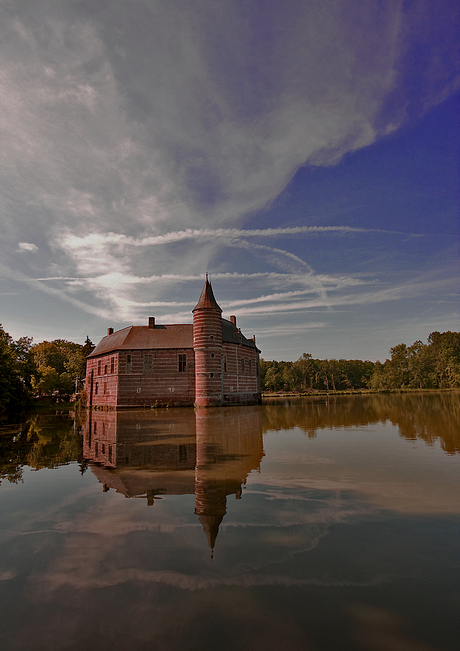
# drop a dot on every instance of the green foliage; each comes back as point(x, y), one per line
point(48, 368)
point(16, 371)
point(308, 374)
point(61, 366)
point(435, 365)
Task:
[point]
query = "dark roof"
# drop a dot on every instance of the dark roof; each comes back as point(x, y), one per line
point(163, 336)
point(143, 337)
point(232, 335)
point(207, 300)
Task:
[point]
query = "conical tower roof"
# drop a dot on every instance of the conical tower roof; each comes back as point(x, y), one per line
point(207, 300)
point(210, 524)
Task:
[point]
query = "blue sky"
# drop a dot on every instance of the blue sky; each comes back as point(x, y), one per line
point(303, 153)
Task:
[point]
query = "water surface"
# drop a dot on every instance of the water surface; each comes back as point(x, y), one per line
point(301, 524)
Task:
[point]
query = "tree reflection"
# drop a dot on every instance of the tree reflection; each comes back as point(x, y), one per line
point(40, 442)
point(427, 416)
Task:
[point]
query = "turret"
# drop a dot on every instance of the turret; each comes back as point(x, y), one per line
point(207, 344)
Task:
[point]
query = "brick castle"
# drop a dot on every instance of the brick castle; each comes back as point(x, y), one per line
point(207, 363)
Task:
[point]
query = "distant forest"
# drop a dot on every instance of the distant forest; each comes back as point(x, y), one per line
point(435, 365)
point(57, 368)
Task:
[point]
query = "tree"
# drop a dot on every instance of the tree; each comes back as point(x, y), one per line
point(306, 368)
point(16, 371)
point(445, 350)
point(61, 365)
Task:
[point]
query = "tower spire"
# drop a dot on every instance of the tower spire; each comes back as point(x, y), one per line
point(207, 300)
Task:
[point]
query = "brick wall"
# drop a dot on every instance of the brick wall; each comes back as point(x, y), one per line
point(104, 370)
point(240, 374)
point(162, 383)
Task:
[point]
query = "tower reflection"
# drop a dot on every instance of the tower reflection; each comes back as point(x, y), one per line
point(207, 452)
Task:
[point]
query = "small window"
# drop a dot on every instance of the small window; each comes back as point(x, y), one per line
point(96, 449)
point(96, 389)
point(103, 448)
point(211, 375)
point(182, 362)
point(225, 364)
point(138, 390)
point(105, 388)
point(182, 453)
point(212, 354)
point(148, 363)
point(128, 363)
point(112, 365)
point(99, 367)
point(105, 369)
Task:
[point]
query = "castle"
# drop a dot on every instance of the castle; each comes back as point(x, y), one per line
point(207, 363)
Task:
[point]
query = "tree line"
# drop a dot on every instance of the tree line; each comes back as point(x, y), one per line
point(434, 365)
point(55, 368)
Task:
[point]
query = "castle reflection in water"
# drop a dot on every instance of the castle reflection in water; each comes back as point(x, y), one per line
point(207, 452)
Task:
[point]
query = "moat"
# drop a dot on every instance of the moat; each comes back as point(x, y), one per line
point(327, 523)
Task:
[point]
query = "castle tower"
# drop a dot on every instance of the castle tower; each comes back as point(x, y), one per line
point(207, 344)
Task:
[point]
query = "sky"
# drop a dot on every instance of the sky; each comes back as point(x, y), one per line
point(304, 153)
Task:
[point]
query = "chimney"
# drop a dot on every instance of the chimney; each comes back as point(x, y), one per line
point(233, 319)
point(151, 322)
point(254, 338)
point(110, 331)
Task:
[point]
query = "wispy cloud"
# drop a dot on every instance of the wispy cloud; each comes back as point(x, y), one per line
point(95, 240)
point(27, 246)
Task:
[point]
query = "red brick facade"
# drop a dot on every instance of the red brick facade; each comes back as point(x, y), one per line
point(209, 363)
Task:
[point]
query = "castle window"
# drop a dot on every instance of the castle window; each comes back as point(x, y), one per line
point(99, 367)
point(212, 354)
point(128, 363)
point(148, 365)
point(105, 369)
point(211, 375)
point(182, 362)
point(105, 388)
point(225, 364)
point(182, 453)
point(138, 390)
point(103, 448)
point(96, 389)
point(96, 449)
point(112, 365)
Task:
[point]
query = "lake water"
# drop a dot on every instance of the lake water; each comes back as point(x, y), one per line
point(328, 523)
